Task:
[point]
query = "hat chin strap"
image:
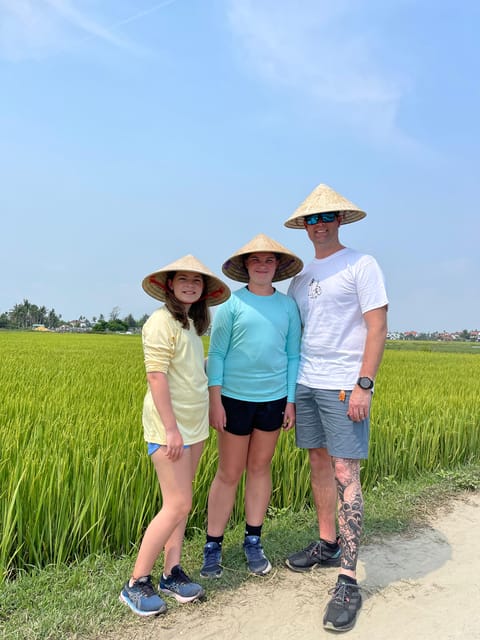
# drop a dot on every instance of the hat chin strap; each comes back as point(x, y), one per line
point(214, 294)
point(157, 283)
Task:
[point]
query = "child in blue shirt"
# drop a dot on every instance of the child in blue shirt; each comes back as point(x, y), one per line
point(252, 368)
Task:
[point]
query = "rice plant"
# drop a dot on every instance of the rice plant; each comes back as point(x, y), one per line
point(75, 479)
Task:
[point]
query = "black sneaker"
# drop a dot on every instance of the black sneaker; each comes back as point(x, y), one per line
point(316, 554)
point(341, 611)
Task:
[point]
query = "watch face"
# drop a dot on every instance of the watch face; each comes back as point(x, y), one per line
point(365, 383)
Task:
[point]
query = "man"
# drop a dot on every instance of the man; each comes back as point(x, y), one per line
point(343, 307)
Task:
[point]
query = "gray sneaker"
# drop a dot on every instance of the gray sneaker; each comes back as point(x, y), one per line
point(212, 561)
point(257, 561)
point(316, 554)
point(179, 585)
point(142, 598)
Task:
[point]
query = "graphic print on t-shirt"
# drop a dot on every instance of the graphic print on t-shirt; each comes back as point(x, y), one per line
point(314, 288)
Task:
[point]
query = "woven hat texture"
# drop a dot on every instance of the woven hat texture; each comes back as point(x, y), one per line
point(289, 264)
point(322, 200)
point(155, 283)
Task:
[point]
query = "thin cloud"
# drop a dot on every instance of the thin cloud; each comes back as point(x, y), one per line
point(76, 19)
point(142, 14)
point(38, 28)
point(312, 47)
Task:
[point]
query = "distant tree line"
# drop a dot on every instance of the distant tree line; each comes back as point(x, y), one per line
point(26, 315)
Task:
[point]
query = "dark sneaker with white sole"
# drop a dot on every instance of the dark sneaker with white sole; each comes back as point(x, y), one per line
point(180, 586)
point(317, 554)
point(142, 598)
point(257, 561)
point(341, 612)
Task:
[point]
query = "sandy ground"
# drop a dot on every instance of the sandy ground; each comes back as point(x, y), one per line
point(424, 587)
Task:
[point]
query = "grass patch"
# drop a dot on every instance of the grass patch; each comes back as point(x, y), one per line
point(455, 346)
point(81, 600)
point(75, 481)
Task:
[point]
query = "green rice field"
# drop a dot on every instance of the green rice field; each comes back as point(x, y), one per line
point(75, 479)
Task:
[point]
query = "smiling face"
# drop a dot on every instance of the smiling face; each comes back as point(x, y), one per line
point(324, 236)
point(261, 266)
point(187, 286)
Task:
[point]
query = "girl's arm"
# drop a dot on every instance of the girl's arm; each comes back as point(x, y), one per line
point(217, 415)
point(161, 397)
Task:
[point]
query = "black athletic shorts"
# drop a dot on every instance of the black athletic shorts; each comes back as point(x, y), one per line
point(243, 417)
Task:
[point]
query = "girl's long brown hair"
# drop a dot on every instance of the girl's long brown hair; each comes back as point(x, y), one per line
point(199, 311)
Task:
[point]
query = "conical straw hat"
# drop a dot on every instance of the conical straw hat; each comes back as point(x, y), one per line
point(155, 284)
point(322, 200)
point(289, 264)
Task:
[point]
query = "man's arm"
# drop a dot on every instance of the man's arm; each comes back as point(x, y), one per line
point(376, 322)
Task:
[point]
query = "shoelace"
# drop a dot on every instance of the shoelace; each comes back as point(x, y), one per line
point(314, 549)
point(212, 554)
point(181, 577)
point(255, 550)
point(342, 592)
point(145, 586)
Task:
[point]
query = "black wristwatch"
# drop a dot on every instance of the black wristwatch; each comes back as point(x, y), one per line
point(365, 383)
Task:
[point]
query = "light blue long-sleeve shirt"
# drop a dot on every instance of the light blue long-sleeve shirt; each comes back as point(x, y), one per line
point(255, 347)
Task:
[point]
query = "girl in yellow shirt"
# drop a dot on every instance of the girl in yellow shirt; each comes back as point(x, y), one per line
point(175, 421)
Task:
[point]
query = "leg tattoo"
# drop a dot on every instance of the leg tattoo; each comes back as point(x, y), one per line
point(350, 509)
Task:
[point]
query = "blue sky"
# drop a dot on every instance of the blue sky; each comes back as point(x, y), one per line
point(134, 132)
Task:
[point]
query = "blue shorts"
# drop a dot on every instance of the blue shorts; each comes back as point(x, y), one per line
point(322, 423)
point(243, 417)
point(153, 446)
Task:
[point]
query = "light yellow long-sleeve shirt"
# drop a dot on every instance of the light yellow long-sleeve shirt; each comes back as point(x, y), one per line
point(178, 353)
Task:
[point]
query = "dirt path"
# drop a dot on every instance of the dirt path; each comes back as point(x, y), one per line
point(425, 587)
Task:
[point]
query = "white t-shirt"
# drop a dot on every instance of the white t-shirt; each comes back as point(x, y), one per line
point(332, 295)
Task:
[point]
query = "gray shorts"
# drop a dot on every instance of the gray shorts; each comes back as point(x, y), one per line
point(322, 423)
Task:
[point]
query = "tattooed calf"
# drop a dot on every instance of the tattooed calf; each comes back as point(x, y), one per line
point(350, 509)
